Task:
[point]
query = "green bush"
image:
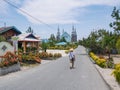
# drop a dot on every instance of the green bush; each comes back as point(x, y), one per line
point(43, 55)
point(57, 55)
point(65, 47)
point(99, 60)
point(110, 63)
point(29, 58)
point(67, 51)
point(116, 73)
point(50, 55)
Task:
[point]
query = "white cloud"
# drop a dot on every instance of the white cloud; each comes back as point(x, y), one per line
point(51, 11)
point(99, 2)
point(59, 11)
point(55, 11)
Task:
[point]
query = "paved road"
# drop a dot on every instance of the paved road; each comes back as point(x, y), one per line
point(56, 75)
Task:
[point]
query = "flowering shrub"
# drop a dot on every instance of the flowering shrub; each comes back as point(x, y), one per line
point(99, 60)
point(50, 55)
point(57, 55)
point(8, 59)
point(30, 58)
point(45, 55)
point(116, 73)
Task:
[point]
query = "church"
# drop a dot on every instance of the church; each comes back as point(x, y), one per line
point(66, 36)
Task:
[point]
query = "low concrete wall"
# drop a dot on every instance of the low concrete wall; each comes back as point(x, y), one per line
point(13, 68)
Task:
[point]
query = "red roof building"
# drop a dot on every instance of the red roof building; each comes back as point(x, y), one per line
point(8, 32)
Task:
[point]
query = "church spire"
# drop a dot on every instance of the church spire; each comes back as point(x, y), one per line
point(58, 28)
point(72, 27)
point(58, 34)
point(73, 34)
point(63, 31)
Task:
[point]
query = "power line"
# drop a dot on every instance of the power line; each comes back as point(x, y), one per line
point(28, 14)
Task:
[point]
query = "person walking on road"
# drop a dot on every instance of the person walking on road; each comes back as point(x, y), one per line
point(72, 58)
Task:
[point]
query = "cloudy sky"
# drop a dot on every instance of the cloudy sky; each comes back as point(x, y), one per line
point(44, 16)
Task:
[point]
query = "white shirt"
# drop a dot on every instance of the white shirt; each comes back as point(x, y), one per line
point(71, 55)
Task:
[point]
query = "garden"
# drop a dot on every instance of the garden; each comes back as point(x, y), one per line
point(103, 44)
point(31, 59)
point(107, 63)
point(9, 63)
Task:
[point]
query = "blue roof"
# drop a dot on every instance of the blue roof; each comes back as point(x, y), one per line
point(66, 36)
point(61, 43)
point(4, 29)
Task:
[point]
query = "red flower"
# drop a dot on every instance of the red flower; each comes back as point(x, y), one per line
point(6, 63)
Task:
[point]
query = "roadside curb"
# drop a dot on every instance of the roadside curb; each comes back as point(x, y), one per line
point(92, 60)
point(110, 81)
point(111, 88)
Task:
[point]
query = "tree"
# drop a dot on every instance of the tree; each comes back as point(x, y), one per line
point(29, 30)
point(44, 46)
point(116, 23)
point(52, 38)
point(63, 39)
point(108, 43)
point(100, 41)
point(118, 45)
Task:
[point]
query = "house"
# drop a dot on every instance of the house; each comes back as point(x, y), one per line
point(29, 42)
point(25, 40)
point(8, 32)
point(66, 36)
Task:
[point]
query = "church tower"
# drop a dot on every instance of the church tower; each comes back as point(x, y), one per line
point(58, 34)
point(74, 35)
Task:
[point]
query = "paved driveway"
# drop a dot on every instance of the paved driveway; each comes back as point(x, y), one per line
point(56, 75)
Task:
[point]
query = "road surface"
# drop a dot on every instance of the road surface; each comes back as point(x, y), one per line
point(57, 75)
